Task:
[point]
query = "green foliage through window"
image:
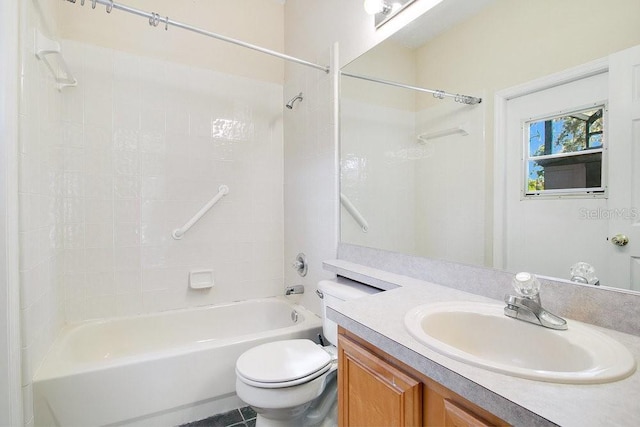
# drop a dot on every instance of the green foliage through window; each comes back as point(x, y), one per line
point(565, 151)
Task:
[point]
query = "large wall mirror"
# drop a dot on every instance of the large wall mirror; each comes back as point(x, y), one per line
point(418, 172)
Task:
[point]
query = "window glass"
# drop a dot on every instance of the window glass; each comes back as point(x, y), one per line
point(565, 152)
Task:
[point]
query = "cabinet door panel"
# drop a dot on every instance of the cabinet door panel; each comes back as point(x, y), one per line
point(456, 416)
point(374, 393)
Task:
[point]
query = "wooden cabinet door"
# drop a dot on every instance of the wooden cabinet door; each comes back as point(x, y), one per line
point(457, 416)
point(371, 392)
point(443, 408)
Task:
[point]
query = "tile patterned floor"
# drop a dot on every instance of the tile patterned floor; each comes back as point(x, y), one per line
point(243, 417)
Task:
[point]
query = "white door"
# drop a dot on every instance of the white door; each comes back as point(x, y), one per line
point(547, 234)
point(624, 157)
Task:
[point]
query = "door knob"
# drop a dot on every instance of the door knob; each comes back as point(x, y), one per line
point(620, 240)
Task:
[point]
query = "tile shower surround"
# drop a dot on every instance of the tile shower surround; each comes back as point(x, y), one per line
point(311, 177)
point(40, 164)
point(378, 163)
point(145, 144)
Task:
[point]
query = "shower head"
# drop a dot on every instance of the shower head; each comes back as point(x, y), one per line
point(293, 100)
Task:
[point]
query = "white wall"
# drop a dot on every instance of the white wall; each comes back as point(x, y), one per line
point(142, 144)
point(423, 198)
point(259, 22)
point(379, 155)
point(109, 168)
point(378, 149)
point(390, 61)
point(310, 178)
point(311, 29)
point(311, 147)
point(512, 42)
point(479, 56)
point(450, 187)
point(10, 381)
point(146, 144)
point(40, 196)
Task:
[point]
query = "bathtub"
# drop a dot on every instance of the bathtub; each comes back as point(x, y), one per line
point(161, 369)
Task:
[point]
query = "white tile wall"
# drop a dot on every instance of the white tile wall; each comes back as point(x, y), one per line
point(146, 144)
point(40, 208)
point(379, 157)
point(446, 178)
point(383, 164)
point(310, 177)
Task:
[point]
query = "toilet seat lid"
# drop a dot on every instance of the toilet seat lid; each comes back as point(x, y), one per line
point(282, 361)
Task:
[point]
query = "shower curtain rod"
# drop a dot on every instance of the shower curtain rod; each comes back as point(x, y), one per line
point(155, 19)
point(440, 94)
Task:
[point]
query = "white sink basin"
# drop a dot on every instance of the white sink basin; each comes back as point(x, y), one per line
point(480, 334)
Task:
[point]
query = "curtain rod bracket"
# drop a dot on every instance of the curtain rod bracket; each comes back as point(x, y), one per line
point(154, 19)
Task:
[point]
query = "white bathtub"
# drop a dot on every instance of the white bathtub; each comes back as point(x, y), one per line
point(161, 369)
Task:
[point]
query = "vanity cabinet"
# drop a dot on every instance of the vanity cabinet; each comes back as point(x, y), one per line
point(373, 392)
point(374, 389)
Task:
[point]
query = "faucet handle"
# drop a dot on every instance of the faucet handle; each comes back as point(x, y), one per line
point(526, 285)
point(583, 272)
point(301, 265)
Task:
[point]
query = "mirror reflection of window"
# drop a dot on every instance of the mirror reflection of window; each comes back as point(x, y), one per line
point(565, 154)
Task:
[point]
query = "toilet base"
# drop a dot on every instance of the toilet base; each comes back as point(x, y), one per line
point(331, 420)
point(321, 412)
point(268, 422)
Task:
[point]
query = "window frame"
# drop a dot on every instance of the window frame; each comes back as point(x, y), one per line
point(583, 193)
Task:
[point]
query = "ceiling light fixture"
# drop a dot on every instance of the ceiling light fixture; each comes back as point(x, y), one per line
point(373, 7)
point(384, 10)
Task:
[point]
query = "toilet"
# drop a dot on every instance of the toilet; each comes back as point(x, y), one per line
point(293, 382)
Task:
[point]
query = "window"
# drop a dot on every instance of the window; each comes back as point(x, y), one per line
point(564, 154)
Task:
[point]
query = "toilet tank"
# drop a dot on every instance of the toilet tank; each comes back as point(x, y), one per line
point(333, 292)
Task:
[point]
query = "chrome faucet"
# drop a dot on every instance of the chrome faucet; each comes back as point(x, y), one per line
point(292, 290)
point(526, 305)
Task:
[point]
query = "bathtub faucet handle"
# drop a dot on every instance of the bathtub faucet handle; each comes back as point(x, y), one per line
point(292, 290)
point(300, 264)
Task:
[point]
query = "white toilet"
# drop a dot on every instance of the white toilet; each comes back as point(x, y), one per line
point(293, 382)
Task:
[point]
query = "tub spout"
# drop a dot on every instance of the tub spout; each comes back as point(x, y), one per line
point(292, 290)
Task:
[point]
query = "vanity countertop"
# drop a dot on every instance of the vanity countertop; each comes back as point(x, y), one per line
point(379, 319)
